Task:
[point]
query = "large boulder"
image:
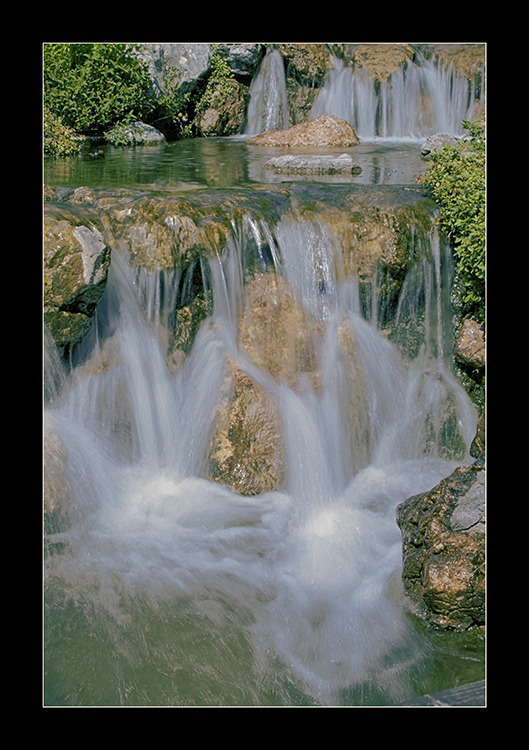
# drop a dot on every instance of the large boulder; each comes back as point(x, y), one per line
point(243, 59)
point(326, 130)
point(443, 534)
point(174, 63)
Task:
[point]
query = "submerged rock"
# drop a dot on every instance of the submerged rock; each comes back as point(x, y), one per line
point(326, 130)
point(443, 533)
point(313, 164)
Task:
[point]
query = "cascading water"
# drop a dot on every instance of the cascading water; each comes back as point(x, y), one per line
point(163, 587)
point(421, 99)
point(268, 108)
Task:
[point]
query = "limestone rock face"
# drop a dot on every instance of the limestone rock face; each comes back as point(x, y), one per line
point(76, 261)
point(170, 61)
point(326, 130)
point(443, 533)
point(382, 60)
point(307, 63)
point(227, 111)
point(243, 59)
point(470, 344)
point(246, 450)
point(277, 333)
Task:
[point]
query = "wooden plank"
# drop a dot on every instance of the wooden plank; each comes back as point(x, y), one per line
point(464, 696)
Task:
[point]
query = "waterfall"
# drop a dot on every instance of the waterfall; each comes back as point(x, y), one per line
point(268, 107)
point(419, 100)
point(175, 589)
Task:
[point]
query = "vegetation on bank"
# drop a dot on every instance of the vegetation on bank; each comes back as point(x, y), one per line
point(88, 89)
point(99, 89)
point(456, 179)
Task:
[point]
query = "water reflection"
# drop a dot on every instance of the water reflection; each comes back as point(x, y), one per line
point(224, 162)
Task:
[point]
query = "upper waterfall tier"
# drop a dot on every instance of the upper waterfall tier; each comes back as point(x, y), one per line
point(419, 100)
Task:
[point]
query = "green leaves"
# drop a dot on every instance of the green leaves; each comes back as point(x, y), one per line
point(90, 87)
point(456, 179)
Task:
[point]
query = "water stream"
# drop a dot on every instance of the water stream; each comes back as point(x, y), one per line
point(421, 99)
point(166, 588)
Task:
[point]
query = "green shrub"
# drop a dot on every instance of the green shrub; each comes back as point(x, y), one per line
point(91, 87)
point(456, 178)
point(172, 110)
point(219, 83)
point(58, 140)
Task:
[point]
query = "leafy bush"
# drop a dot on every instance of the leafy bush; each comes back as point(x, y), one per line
point(90, 87)
point(456, 178)
point(58, 140)
point(219, 83)
point(171, 111)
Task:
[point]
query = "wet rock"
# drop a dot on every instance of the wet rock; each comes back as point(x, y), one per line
point(243, 59)
point(436, 142)
point(76, 262)
point(465, 59)
point(326, 130)
point(277, 334)
point(174, 63)
point(226, 112)
point(313, 164)
point(307, 63)
point(382, 60)
point(443, 533)
point(470, 344)
point(478, 445)
point(246, 450)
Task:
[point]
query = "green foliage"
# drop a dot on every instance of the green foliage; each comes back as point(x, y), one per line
point(91, 87)
point(456, 178)
point(219, 85)
point(171, 108)
point(58, 140)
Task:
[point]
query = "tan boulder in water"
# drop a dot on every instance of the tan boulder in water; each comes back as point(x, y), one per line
point(326, 130)
point(247, 449)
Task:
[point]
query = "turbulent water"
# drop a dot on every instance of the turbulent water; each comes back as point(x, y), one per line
point(422, 99)
point(167, 588)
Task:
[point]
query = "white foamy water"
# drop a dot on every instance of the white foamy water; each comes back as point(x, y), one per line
point(170, 589)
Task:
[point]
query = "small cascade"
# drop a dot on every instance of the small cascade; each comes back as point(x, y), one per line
point(421, 99)
point(198, 595)
point(268, 107)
